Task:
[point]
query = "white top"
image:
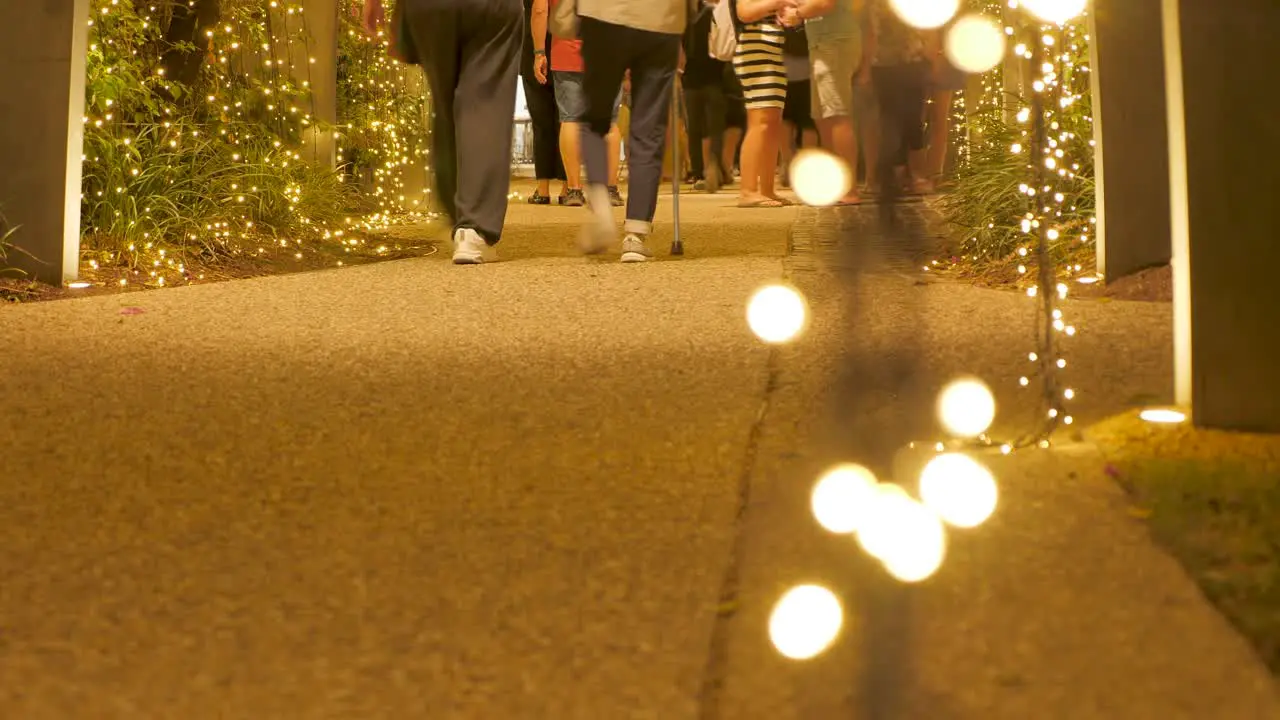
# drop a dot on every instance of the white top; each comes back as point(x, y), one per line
point(661, 16)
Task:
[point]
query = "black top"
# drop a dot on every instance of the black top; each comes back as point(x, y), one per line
point(700, 69)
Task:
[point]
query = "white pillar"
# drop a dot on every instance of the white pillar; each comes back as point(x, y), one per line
point(42, 58)
point(318, 65)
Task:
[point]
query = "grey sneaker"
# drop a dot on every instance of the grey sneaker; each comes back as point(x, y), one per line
point(575, 198)
point(471, 249)
point(634, 250)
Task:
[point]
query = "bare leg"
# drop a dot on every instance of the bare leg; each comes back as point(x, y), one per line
point(732, 139)
point(755, 155)
point(571, 151)
point(841, 138)
point(772, 141)
point(613, 144)
point(787, 151)
point(939, 133)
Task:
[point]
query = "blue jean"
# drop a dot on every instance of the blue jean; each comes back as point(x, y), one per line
point(571, 97)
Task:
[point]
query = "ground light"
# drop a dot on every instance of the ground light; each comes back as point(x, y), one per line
point(777, 314)
point(805, 622)
point(842, 497)
point(1163, 416)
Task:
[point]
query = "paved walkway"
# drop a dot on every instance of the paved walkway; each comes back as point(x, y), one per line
point(413, 490)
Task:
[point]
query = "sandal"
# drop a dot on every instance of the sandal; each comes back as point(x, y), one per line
point(764, 203)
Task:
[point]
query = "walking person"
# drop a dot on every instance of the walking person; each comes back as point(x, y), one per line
point(470, 50)
point(705, 102)
point(566, 66)
point(758, 62)
point(900, 71)
point(798, 129)
point(642, 38)
point(541, 99)
point(840, 62)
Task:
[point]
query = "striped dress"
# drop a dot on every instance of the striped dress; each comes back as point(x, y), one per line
point(759, 65)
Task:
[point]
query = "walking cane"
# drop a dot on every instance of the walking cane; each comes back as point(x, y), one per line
point(677, 246)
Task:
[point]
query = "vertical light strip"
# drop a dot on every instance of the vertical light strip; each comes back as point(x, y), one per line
point(71, 197)
point(1180, 224)
point(1099, 162)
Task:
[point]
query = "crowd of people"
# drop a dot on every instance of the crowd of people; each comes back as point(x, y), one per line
point(760, 79)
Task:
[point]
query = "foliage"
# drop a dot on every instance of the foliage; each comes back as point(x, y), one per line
point(989, 200)
point(216, 168)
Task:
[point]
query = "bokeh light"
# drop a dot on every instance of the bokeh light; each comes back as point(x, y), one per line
point(925, 14)
point(919, 545)
point(1056, 11)
point(966, 407)
point(805, 622)
point(777, 313)
point(819, 178)
point(842, 497)
point(1164, 416)
point(959, 489)
point(975, 44)
point(878, 531)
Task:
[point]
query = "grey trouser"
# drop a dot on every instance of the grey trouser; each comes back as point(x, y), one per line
point(470, 50)
point(608, 51)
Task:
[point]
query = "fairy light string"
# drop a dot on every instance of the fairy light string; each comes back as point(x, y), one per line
point(217, 169)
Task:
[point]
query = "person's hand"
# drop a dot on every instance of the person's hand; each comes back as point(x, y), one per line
point(373, 17)
point(790, 17)
point(540, 67)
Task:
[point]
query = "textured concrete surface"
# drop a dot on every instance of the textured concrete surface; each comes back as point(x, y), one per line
point(414, 490)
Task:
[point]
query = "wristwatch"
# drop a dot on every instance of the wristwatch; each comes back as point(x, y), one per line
point(539, 53)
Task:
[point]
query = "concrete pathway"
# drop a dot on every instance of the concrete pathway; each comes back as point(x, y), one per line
point(413, 490)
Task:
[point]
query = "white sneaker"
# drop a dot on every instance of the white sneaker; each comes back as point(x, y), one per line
point(471, 249)
point(634, 250)
point(600, 232)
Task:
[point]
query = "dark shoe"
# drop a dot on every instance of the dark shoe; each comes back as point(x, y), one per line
point(615, 197)
point(538, 198)
point(574, 198)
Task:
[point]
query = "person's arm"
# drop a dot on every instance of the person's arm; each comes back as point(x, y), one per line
point(538, 25)
point(750, 11)
point(809, 9)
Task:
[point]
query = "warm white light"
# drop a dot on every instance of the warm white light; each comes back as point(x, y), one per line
point(777, 314)
point(1163, 416)
point(925, 14)
point(889, 504)
point(966, 407)
point(921, 545)
point(78, 285)
point(820, 178)
point(805, 622)
point(975, 44)
point(842, 498)
point(959, 489)
point(1056, 11)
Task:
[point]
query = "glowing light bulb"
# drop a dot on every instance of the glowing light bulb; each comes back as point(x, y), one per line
point(925, 14)
point(975, 44)
point(1056, 11)
point(820, 178)
point(966, 407)
point(888, 505)
point(805, 621)
point(959, 489)
point(777, 314)
point(842, 498)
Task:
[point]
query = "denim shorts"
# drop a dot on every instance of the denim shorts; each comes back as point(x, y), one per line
point(571, 98)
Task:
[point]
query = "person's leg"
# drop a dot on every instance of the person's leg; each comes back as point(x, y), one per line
point(712, 146)
point(892, 149)
point(832, 107)
point(695, 102)
point(772, 143)
point(653, 73)
point(436, 31)
point(546, 146)
point(915, 89)
point(614, 144)
point(605, 54)
point(939, 133)
point(571, 102)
